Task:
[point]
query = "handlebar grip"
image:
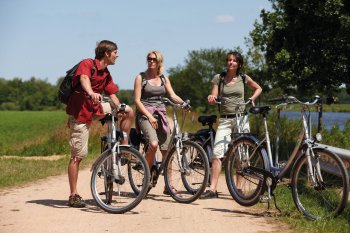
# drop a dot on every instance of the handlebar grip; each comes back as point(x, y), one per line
point(122, 107)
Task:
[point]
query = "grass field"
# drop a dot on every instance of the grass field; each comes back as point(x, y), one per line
point(21, 131)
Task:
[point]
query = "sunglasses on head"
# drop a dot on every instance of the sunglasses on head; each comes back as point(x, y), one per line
point(152, 59)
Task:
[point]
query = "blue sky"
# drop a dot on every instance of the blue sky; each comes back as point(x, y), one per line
point(43, 39)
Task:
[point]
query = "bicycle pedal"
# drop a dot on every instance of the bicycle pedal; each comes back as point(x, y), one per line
point(264, 199)
point(281, 164)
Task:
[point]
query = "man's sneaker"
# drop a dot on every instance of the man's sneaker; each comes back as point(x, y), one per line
point(76, 201)
point(209, 194)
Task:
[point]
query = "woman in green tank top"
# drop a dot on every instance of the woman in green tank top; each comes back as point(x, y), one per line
point(230, 85)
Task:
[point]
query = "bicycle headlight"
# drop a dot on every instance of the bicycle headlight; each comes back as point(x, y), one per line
point(318, 137)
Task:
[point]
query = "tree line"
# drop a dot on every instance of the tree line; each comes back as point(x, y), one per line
point(300, 47)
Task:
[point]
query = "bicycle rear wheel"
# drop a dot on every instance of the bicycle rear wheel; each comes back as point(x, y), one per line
point(329, 196)
point(115, 194)
point(186, 177)
point(135, 171)
point(209, 153)
point(245, 185)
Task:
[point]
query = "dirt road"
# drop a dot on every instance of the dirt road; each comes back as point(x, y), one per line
point(42, 207)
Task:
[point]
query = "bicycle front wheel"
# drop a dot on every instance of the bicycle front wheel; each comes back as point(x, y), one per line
point(328, 195)
point(186, 175)
point(112, 190)
point(245, 186)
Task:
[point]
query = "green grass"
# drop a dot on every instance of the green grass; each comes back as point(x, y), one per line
point(17, 171)
point(24, 132)
point(295, 220)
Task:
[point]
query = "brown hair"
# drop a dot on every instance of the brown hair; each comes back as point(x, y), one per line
point(104, 46)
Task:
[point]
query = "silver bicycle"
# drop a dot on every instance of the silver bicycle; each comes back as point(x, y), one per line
point(110, 182)
point(185, 166)
point(319, 180)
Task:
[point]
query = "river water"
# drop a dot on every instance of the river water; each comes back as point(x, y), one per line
point(329, 118)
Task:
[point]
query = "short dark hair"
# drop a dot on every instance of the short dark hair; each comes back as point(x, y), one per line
point(104, 46)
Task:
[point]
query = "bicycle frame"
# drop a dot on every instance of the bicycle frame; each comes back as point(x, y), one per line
point(113, 144)
point(176, 139)
point(304, 141)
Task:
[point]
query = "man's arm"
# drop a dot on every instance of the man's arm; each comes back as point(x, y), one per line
point(85, 83)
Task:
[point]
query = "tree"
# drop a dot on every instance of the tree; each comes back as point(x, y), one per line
point(306, 45)
point(193, 80)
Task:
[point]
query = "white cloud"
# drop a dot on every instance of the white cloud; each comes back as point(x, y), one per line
point(224, 19)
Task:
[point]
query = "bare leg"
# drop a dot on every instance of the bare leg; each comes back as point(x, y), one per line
point(126, 122)
point(73, 170)
point(216, 169)
point(151, 153)
point(169, 169)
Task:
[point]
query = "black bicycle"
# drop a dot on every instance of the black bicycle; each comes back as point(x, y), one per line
point(206, 136)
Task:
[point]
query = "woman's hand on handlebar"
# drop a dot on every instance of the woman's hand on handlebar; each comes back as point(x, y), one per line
point(186, 105)
point(212, 99)
point(250, 101)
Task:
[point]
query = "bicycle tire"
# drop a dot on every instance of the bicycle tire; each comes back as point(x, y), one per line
point(209, 152)
point(245, 186)
point(119, 197)
point(330, 197)
point(186, 186)
point(134, 173)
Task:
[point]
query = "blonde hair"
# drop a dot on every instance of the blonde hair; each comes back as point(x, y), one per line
point(159, 57)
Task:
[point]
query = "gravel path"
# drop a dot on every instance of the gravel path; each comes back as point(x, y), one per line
point(42, 207)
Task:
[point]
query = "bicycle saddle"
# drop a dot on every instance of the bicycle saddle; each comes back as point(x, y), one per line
point(260, 109)
point(207, 119)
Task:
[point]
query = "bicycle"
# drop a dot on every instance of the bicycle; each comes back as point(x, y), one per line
point(206, 136)
point(110, 180)
point(319, 180)
point(185, 166)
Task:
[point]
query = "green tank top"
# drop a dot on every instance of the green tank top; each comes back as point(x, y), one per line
point(232, 93)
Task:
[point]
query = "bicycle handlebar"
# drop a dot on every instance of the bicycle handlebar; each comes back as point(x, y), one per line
point(293, 100)
point(184, 105)
point(119, 109)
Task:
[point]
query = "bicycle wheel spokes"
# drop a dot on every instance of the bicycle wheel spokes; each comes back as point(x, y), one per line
point(116, 194)
point(188, 181)
point(328, 196)
point(245, 185)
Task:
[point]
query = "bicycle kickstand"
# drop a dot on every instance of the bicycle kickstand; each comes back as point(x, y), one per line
point(274, 200)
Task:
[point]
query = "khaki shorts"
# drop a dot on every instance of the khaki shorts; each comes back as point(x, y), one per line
point(152, 134)
point(223, 135)
point(79, 134)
